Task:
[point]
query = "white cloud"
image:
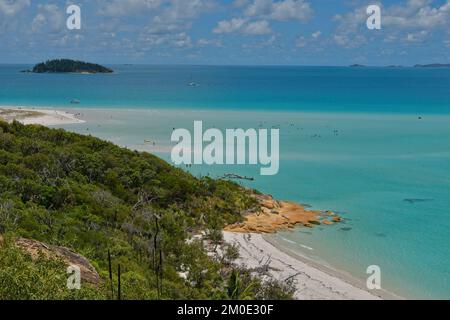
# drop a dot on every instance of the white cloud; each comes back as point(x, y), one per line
point(177, 16)
point(184, 10)
point(316, 34)
point(210, 42)
point(170, 24)
point(257, 28)
point(258, 13)
point(349, 42)
point(352, 21)
point(230, 26)
point(38, 22)
point(414, 14)
point(179, 40)
point(341, 40)
point(416, 36)
point(182, 40)
point(417, 14)
point(412, 21)
point(244, 26)
point(116, 8)
point(311, 41)
point(283, 10)
point(68, 39)
point(49, 18)
point(162, 29)
point(12, 7)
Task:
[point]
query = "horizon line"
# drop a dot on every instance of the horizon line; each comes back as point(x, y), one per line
point(355, 65)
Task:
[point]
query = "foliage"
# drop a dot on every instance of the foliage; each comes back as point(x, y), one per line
point(23, 278)
point(66, 65)
point(242, 285)
point(92, 196)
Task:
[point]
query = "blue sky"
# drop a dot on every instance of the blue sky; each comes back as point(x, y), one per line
point(292, 32)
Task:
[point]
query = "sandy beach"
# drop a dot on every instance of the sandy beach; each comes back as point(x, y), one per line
point(45, 117)
point(312, 280)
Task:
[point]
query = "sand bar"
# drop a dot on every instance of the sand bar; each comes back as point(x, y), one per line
point(45, 117)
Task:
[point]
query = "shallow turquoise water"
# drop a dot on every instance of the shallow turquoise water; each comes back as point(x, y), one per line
point(365, 174)
point(382, 155)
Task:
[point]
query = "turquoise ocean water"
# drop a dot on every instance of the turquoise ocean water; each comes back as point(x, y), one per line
point(370, 143)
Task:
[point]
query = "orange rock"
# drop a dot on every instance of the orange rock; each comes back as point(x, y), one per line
point(286, 216)
point(268, 204)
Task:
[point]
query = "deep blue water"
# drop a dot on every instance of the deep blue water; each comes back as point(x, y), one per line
point(262, 88)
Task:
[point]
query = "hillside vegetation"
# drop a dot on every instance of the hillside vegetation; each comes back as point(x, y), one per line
point(89, 195)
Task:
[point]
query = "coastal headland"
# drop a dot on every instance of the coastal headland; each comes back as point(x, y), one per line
point(312, 279)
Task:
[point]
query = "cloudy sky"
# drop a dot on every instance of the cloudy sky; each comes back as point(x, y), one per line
point(294, 32)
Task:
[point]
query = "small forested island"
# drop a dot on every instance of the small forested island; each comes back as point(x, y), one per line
point(68, 66)
point(68, 199)
point(357, 66)
point(432, 65)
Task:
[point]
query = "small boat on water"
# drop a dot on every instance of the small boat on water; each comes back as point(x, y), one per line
point(192, 83)
point(75, 101)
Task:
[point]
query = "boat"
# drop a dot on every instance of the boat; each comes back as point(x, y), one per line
point(75, 101)
point(192, 83)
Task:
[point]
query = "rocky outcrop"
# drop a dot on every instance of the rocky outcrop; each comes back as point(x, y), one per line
point(273, 215)
point(70, 258)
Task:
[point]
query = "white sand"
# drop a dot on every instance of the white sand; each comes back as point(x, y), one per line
point(313, 282)
point(45, 117)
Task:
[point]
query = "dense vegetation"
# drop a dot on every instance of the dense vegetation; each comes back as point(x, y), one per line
point(94, 197)
point(66, 65)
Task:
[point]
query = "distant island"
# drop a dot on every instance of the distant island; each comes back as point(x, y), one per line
point(432, 65)
point(68, 66)
point(357, 66)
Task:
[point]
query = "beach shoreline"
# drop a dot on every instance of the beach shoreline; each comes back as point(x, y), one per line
point(344, 276)
point(312, 114)
point(313, 280)
point(38, 116)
